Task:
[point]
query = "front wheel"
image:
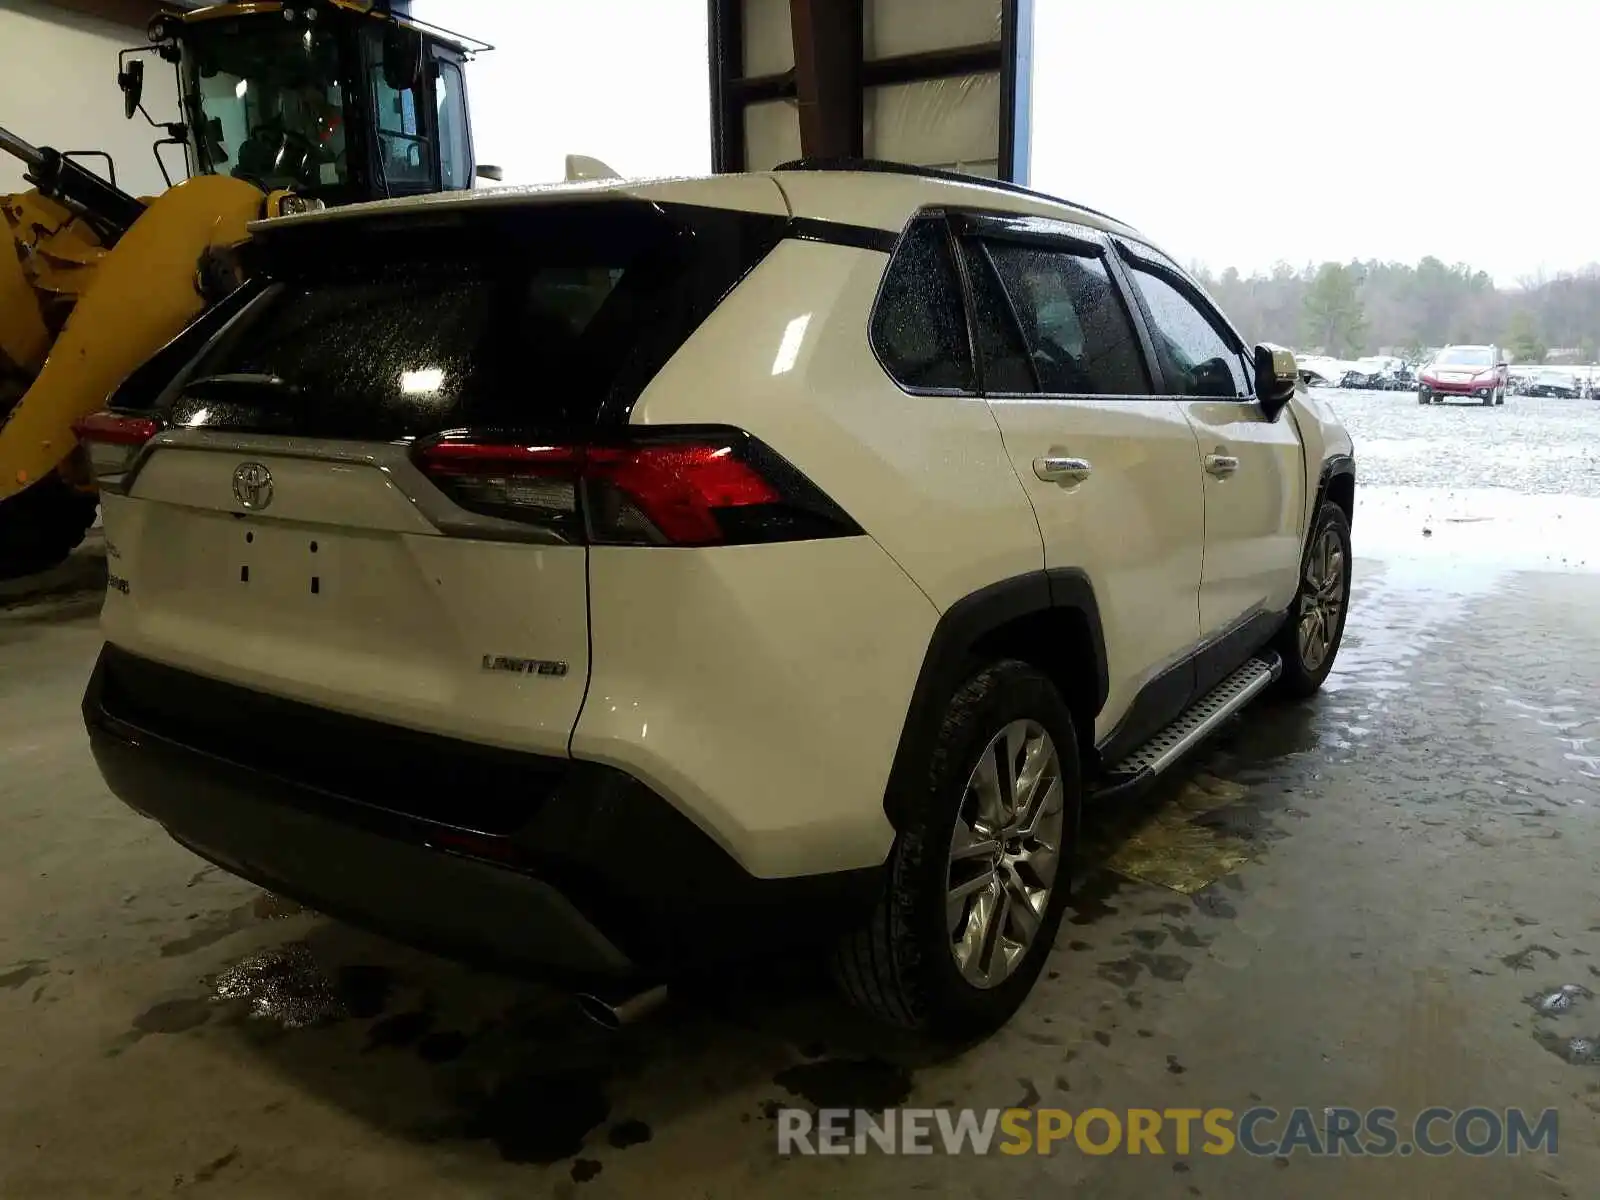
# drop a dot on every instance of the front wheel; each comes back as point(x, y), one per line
point(1422, 397)
point(979, 874)
point(1310, 638)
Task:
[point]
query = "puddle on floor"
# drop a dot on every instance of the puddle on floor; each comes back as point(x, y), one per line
point(1174, 849)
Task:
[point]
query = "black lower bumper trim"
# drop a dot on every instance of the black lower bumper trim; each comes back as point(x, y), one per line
point(598, 877)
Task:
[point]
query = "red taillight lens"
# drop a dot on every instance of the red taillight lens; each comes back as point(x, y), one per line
point(677, 489)
point(113, 429)
point(112, 442)
point(672, 490)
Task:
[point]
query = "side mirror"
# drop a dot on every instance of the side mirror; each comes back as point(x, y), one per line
point(402, 58)
point(131, 80)
point(1213, 377)
point(1276, 377)
point(485, 171)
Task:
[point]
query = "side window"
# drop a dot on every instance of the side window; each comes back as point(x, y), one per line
point(919, 328)
point(1195, 358)
point(1078, 333)
point(404, 152)
point(450, 95)
point(1006, 364)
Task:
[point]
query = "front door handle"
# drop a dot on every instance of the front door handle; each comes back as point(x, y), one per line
point(1221, 465)
point(1056, 468)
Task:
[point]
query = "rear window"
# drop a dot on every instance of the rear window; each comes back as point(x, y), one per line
point(547, 317)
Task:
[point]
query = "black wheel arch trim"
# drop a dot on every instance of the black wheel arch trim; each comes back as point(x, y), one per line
point(949, 658)
point(1333, 466)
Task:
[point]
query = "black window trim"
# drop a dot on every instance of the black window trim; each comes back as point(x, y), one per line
point(1047, 233)
point(937, 215)
point(982, 244)
point(1133, 255)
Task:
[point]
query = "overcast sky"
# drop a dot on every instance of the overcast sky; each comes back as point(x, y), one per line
point(1236, 132)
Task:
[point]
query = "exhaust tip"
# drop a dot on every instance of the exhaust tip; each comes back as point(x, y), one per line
point(614, 1015)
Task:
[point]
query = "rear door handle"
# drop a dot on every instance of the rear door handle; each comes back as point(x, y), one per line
point(1056, 468)
point(1221, 465)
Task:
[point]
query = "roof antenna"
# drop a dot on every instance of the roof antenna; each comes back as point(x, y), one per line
point(581, 166)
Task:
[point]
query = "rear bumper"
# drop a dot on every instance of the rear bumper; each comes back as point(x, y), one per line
point(578, 870)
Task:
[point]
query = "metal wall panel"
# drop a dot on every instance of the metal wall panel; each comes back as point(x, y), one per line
point(935, 83)
point(771, 134)
point(947, 123)
point(895, 27)
point(768, 42)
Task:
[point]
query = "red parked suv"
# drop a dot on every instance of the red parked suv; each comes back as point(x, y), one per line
point(1470, 372)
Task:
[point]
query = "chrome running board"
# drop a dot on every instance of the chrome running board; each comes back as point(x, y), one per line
point(1143, 764)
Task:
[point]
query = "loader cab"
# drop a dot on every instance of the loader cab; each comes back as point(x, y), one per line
point(329, 99)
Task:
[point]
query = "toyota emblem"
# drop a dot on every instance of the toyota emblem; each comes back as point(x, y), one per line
point(252, 485)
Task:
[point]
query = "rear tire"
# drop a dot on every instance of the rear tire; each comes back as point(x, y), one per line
point(931, 962)
point(41, 525)
point(1309, 640)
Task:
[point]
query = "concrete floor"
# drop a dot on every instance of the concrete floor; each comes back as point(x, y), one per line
point(1347, 902)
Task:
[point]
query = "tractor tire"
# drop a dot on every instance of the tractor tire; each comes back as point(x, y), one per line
point(41, 525)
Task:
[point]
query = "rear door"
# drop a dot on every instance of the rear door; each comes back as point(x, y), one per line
point(1254, 470)
point(1114, 475)
point(283, 532)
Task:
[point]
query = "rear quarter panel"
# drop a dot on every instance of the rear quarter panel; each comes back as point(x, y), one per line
point(763, 689)
point(787, 358)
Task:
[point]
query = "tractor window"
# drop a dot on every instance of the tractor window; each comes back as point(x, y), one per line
point(266, 103)
point(405, 150)
point(455, 146)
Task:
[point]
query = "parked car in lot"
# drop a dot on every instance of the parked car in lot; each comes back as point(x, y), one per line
point(617, 579)
point(1319, 370)
point(1465, 372)
point(1562, 384)
point(1378, 373)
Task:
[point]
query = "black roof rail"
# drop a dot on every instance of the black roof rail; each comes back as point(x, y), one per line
point(884, 166)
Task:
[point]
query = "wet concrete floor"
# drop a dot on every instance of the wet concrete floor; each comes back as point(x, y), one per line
point(1384, 897)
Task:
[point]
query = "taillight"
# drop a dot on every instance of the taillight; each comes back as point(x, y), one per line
point(534, 485)
point(696, 488)
point(112, 442)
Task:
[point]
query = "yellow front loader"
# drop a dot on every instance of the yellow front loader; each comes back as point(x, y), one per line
point(285, 105)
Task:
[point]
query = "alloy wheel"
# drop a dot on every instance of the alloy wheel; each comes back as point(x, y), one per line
point(1004, 853)
point(1321, 600)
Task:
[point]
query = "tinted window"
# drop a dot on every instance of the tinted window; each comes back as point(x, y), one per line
point(1077, 330)
point(450, 94)
point(1006, 365)
point(919, 328)
point(1195, 358)
point(537, 316)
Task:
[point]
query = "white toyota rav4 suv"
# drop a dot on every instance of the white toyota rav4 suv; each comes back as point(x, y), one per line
point(615, 579)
